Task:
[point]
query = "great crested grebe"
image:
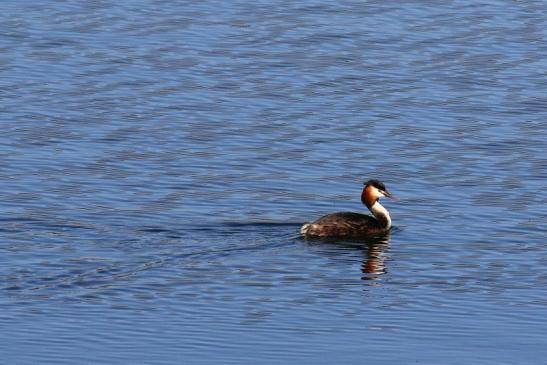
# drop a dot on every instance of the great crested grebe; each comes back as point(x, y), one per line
point(349, 224)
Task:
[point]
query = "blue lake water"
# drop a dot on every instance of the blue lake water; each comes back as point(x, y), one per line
point(158, 159)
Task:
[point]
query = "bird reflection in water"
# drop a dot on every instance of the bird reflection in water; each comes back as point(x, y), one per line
point(374, 249)
point(374, 258)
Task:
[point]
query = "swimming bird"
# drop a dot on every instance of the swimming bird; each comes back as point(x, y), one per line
point(349, 224)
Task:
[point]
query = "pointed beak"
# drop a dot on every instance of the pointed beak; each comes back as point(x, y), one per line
point(387, 194)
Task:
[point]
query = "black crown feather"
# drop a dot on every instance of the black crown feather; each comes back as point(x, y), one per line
point(376, 183)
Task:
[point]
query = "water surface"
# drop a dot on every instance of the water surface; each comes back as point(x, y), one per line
point(158, 158)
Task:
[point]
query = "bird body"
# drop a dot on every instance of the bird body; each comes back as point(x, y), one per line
point(349, 224)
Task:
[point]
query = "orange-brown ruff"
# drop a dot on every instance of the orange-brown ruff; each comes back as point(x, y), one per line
point(349, 224)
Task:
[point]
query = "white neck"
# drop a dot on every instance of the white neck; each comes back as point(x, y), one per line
point(381, 214)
